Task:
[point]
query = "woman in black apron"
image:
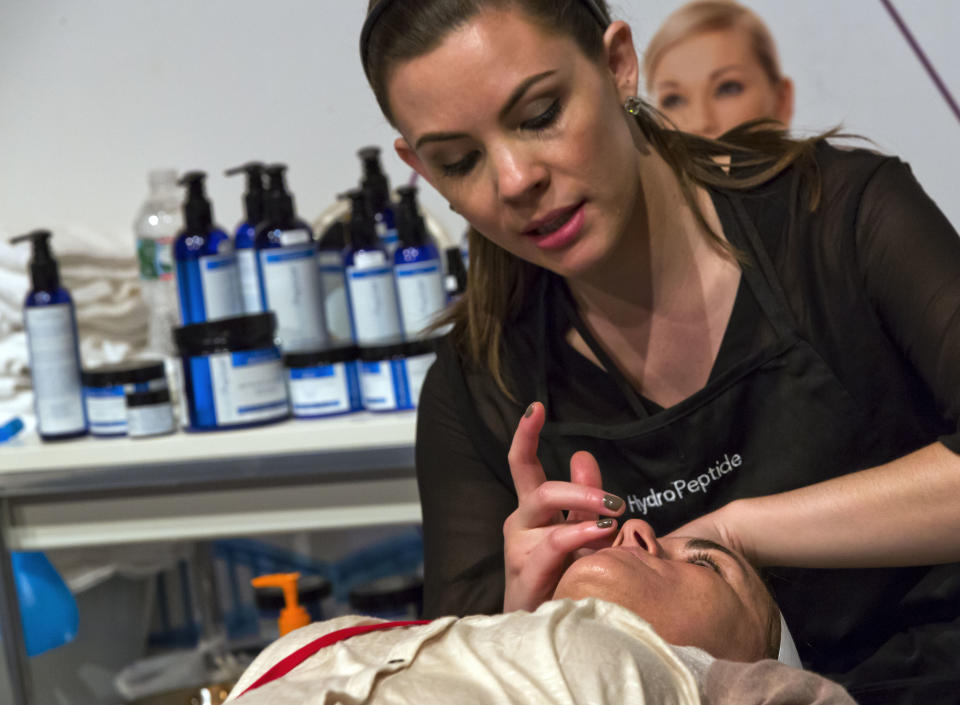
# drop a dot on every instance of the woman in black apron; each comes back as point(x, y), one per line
point(838, 352)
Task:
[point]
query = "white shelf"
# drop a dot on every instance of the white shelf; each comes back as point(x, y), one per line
point(353, 432)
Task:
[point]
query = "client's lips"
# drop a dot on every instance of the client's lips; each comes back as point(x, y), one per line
point(557, 228)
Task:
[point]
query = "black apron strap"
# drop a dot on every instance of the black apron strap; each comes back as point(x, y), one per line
point(764, 283)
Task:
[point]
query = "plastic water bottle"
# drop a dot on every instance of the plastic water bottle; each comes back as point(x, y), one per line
point(156, 227)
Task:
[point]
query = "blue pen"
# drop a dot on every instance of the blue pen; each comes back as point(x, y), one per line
point(10, 429)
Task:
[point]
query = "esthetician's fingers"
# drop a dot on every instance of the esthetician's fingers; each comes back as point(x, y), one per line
point(585, 471)
point(543, 506)
point(534, 564)
point(525, 467)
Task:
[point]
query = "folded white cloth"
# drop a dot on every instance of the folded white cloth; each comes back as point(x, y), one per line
point(100, 272)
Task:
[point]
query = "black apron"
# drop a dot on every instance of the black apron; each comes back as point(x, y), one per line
point(775, 421)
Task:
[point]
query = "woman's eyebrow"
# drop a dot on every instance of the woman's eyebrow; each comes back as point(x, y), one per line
point(518, 92)
point(514, 98)
point(708, 545)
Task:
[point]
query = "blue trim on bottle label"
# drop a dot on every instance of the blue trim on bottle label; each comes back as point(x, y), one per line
point(305, 253)
point(413, 271)
point(367, 273)
point(312, 372)
point(116, 391)
point(254, 357)
point(199, 388)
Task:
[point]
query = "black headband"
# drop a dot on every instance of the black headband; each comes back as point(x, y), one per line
point(599, 15)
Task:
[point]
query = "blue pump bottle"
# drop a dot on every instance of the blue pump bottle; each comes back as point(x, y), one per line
point(51, 325)
point(207, 281)
point(371, 292)
point(286, 259)
point(417, 268)
point(375, 184)
point(246, 234)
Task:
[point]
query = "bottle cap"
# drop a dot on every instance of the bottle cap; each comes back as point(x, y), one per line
point(411, 231)
point(150, 398)
point(278, 202)
point(374, 181)
point(293, 615)
point(320, 358)
point(44, 273)
point(456, 280)
point(363, 228)
point(254, 196)
point(197, 212)
point(255, 331)
point(123, 373)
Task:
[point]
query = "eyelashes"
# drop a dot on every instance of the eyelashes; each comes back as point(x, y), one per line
point(537, 125)
point(706, 560)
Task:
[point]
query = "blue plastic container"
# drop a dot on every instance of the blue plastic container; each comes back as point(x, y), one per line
point(323, 382)
point(232, 372)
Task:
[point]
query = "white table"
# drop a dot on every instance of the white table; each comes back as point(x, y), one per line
point(342, 472)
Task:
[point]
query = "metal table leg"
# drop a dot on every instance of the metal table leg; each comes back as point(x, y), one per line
point(11, 629)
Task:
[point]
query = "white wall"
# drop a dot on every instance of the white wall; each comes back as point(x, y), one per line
point(94, 93)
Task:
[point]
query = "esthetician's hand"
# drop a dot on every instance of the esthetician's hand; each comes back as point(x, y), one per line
point(538, 542)
point(721, 526)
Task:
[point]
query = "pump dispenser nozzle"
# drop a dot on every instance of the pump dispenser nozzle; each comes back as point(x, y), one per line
point(293, 615)
point(253, 198)
point(44, 273)
point(363, 229)
point(374, 181)
point(197, 212)
point(279, 201)
point(412, 232)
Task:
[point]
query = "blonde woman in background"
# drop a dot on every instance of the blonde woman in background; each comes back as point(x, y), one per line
point(713, 65)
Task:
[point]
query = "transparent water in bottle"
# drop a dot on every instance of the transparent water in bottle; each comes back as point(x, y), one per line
point(156, 227)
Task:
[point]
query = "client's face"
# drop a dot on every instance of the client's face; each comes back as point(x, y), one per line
point(692, 591)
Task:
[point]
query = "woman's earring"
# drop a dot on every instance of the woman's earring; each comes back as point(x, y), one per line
point(633, 105)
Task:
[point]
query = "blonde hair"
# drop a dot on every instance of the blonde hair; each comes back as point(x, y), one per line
point(712, 16)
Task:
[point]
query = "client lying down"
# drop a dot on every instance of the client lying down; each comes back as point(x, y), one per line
point(675, 620)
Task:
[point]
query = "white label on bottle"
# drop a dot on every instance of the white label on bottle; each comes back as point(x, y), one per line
point(336, 310)
point(377, 385)
point(221, 286)
point(249, 279)
point(294, 237)
point(55, 369)
point(150, 420)
point(292, 286)
point(106, 410)
point(319, 390)
point(420, 289)
point(373, 304)
point(248, 386)
point(417, 368)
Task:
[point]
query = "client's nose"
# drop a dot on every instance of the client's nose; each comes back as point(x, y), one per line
point(637, 532)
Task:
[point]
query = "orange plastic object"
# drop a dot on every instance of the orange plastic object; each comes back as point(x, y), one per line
point(293, 615)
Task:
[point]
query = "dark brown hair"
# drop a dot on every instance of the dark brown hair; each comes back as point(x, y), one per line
point(498, 282)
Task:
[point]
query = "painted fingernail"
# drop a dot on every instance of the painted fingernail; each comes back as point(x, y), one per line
point(604, 523)
point(612, 502)
point(529, 412)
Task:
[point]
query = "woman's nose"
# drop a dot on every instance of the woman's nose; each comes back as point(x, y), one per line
point(519, 174)
point(704, 119)
point(637, 532)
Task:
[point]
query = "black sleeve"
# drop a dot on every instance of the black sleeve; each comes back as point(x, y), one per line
point(909, 258)
point(463, 496)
